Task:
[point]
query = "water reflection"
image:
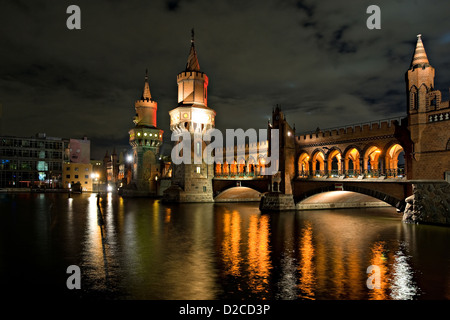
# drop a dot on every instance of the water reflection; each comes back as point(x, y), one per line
point(144, 249)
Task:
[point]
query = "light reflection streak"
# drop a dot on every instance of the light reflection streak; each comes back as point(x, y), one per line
point(379, 259)
point(258, 253)
point(403, 286)
point(231, 242)
point(306, 265)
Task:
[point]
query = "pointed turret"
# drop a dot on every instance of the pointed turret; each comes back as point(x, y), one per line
point(146, 93)
point(192, 62)
point(420, 58)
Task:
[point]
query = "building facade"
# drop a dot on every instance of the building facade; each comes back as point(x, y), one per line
point(80, 174)
point(27, 162)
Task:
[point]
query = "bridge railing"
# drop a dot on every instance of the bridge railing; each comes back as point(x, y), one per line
point(238, 175)
point(335, 173)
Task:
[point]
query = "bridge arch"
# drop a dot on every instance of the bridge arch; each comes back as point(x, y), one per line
point(238, 194)
point(397, 203)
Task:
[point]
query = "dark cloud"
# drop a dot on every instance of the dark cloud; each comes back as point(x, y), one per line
point(316, 59)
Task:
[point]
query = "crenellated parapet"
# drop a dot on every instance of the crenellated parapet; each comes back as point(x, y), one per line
point(349, 133)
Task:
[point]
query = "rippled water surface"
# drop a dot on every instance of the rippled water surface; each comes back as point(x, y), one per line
point(144, 249)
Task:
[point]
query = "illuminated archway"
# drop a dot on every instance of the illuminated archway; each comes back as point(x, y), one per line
point(261, 165)
point(334, 163)
point(371, 161)
point(240, 165)
point(318, 164)
point(303, 165)
point(226, 168)
point(233, 168)
point(251, 166)
point(352, 162)
point(395, 161)
point(218, 168)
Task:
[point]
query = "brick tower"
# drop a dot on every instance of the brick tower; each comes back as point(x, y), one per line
point(145, 139)
point(428, 120)
point(192, 182)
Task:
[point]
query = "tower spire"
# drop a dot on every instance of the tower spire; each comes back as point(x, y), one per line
point(146, 93)
point(192, 63)
point(420, 57)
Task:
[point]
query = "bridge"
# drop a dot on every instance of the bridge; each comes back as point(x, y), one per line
point(405, 162)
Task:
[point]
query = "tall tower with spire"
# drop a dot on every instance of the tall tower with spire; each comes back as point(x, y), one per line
point(427, 119)
point(192, 182)
point(145, 139)
point(419, 79)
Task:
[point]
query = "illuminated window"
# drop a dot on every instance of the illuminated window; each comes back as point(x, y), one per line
point(139, 134)
point(185, 115)
point(198, 169)
point(145, 134)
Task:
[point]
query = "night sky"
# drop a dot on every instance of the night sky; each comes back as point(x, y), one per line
point(316, 59)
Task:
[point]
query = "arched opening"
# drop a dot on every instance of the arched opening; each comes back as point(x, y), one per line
point(303, 165)
point(226, 168)
point(395, 161)
point(241, 166)
point(218, 169)
point(352, 163)
point(318, 164)
point(261, 166)
point(251, 167)
point(334, 163)
point(372, 164)
point(233, 168)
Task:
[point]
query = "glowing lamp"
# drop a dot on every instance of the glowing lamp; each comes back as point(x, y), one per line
point(199, 116)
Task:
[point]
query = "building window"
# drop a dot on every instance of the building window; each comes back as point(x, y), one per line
point(86, 177)
point(76, 168)
point(67, 168)
point(76, 176)
point(85, 182)
point(87, 169)
point(204, 188)
point(68, 176)
point(198, 169)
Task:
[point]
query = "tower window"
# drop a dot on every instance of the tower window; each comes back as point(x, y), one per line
point(198, 169)
point(198, 148)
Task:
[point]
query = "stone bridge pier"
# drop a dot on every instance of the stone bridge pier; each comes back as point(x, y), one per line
point(430, 203)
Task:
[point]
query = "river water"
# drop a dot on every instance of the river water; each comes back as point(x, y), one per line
point(145, 249)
